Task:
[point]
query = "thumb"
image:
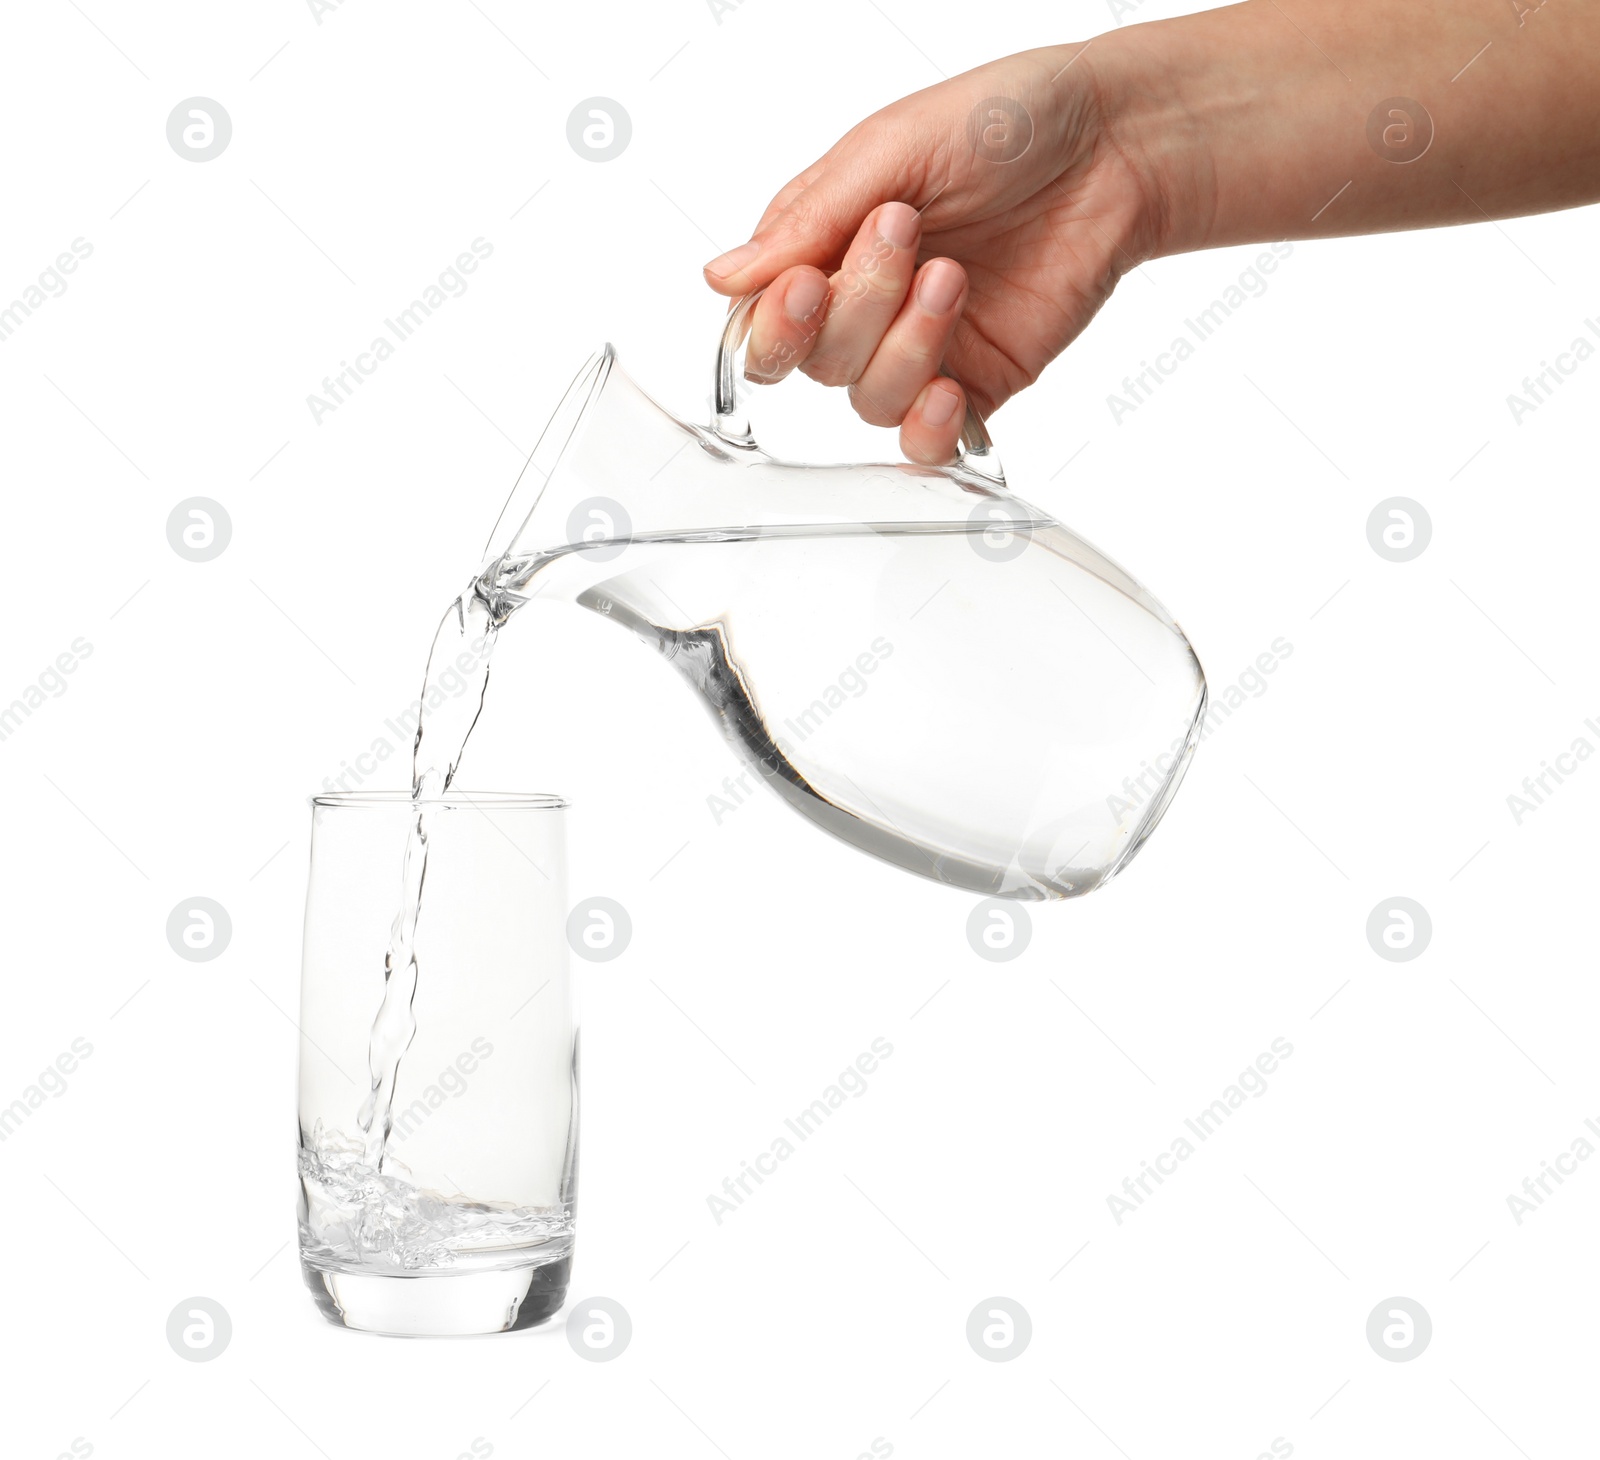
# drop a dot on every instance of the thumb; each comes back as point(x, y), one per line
point(811, 222)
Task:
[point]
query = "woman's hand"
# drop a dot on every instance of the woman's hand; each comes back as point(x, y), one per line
point(1012, 218)
point(977, 226)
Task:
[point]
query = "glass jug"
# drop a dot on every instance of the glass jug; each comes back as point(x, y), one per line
point(913, 658)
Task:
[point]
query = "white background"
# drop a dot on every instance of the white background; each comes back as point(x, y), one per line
point(831, 1309)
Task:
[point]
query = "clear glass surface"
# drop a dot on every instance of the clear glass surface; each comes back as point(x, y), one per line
point(912, 657)
point(464, 1224)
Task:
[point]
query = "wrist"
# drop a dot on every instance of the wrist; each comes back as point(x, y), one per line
point(1156, 136)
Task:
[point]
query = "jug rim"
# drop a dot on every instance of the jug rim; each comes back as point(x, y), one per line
point(548, 451)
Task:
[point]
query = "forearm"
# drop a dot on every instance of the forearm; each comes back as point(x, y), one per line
point(1266, 120)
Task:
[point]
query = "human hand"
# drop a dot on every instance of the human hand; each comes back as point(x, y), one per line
point(977, 226)
point(973, 228)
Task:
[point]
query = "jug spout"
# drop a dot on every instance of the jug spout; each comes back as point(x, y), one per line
point(603, 452)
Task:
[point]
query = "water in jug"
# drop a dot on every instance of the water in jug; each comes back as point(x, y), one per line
point(913, 658)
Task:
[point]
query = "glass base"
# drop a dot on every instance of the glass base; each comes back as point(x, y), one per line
point(442, 1304)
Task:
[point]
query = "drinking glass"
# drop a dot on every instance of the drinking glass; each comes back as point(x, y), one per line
point(465, 1224)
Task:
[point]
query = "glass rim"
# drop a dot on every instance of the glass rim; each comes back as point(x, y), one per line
point(449, 800)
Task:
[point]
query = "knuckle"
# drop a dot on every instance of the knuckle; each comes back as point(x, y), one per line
point(831, 370)
point(923, 356)
point(805, 217)
point(881, 284)
point(868, 281)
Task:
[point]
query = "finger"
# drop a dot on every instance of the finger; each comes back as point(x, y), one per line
point(932, 426)
point(912, 350)
point(819, 215)
point(788, 193)
point(867, 294)
point(787, 323)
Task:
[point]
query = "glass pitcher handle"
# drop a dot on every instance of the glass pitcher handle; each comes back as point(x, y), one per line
point(977, 453)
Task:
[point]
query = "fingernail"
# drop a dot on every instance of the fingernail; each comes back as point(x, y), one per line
point(734, 260)
point(939, 287)
point(898, 224)
point(804, 299)
point(939, 405)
